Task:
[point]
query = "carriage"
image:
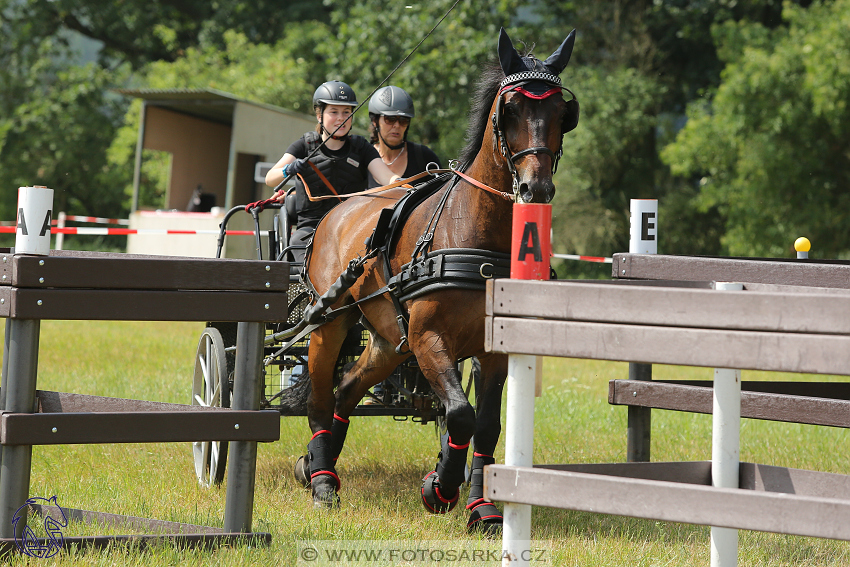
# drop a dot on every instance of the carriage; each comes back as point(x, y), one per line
point(406, 395)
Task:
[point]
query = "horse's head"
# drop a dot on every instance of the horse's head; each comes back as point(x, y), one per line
point(530, 117)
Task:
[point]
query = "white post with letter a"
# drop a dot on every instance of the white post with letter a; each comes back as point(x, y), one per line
point(20, 364)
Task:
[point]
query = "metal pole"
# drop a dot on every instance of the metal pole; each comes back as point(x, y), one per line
point(242, 458)
point(19, 394)
point(643, 239)
point(725, 449)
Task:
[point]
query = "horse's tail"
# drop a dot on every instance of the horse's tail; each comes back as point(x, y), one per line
point(293, 400)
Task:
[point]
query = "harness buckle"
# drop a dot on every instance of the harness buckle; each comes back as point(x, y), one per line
point(400, 347)
point(481, 271)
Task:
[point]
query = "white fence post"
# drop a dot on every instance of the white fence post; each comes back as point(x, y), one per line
point(726, 448)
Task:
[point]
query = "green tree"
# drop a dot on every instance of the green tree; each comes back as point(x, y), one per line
point(373, 36)
point(770, 149)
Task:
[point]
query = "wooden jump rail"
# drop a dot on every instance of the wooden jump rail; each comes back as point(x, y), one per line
point(815, 403)
point(783, 330)
point(121, 287)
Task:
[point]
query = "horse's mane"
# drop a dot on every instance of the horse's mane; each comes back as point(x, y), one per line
point(479, 110)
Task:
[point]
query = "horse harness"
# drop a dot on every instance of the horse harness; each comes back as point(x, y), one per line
point(429, 270)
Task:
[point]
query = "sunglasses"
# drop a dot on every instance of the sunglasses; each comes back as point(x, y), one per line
point(403, 120)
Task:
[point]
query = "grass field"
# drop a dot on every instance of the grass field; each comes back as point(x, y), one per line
point(382, 466)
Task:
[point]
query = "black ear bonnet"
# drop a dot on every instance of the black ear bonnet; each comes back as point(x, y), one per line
point(538, 78)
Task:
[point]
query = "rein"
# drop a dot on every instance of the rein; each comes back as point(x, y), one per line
point(406, 183)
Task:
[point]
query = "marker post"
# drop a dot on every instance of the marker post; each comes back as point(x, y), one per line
point(20, 361)
point(643, 239)
point(530, 251)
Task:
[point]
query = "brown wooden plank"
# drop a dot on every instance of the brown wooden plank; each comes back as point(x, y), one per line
point(134, 523)
point(690, 472)
point(138, 427)
point(812, 273)
point(650, 305)
point(831, 390)
point(754, 405)
point(117, 271)
point(133, 305)
point(753, 476)
point(670, 501)
point(766, 478)
point(780, 352)
point(59, 402)
point(204, 541)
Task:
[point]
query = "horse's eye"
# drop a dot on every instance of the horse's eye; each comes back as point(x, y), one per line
point(511, 110)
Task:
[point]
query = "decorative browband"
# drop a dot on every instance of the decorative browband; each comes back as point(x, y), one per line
point(530, 76)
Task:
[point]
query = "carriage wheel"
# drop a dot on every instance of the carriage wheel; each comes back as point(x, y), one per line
point(210, 388)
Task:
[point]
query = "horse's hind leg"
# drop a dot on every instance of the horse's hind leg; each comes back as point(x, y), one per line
point(483, 514)
point(374, 365)
point(325, 345)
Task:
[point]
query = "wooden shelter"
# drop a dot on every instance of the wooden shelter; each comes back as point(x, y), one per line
point(220, 145)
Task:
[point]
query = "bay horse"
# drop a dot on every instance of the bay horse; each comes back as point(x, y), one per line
point(517, 121)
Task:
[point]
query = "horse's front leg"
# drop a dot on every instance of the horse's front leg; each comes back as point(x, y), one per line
point(440, 488)
point(483, 514)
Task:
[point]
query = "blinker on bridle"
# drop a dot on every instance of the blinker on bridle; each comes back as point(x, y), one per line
point(515, 82)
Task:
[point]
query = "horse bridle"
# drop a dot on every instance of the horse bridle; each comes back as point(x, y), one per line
point(513, 82)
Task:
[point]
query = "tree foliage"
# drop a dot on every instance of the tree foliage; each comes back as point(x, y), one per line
point(770, 149)
point(760, 160)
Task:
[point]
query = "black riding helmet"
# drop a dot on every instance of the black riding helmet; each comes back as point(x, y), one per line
point(333, 92)
point(390, 101)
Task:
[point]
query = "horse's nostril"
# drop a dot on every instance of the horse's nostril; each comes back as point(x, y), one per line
point(525, 193)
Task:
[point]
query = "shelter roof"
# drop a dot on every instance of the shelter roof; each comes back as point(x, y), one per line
point(209, 104)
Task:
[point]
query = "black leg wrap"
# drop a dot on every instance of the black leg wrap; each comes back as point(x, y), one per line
point(440, 487)
point(323, 475)
point(450, 469)
point(339, 429)
point(483, 514)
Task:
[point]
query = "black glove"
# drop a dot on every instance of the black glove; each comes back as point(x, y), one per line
point(297, 166)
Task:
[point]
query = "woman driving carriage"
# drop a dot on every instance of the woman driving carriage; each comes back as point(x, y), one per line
point(345, 161)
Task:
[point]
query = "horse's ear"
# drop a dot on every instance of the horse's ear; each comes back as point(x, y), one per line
point(509, 59)
point(558, 60)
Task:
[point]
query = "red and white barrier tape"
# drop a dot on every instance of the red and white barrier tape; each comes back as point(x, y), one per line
point(94, 231)
point(96, 220)
point(598, 259)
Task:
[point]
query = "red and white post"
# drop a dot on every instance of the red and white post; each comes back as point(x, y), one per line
point(530, 252)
